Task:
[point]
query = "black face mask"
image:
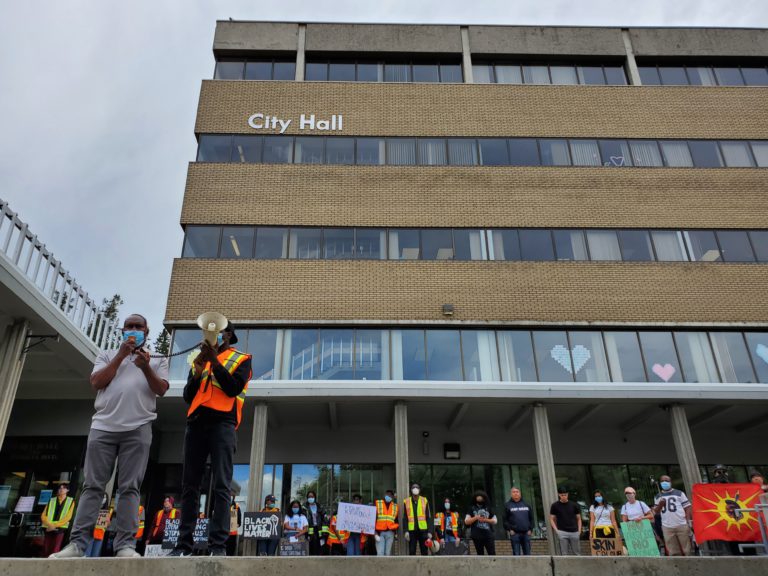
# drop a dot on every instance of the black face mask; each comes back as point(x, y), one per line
point(480, 502)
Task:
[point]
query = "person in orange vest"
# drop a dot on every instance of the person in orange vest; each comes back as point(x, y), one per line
point(447, 523)
point(386, 523)
point(337, 539)
point(55, 519)
point(167, 512)
point(215, 390)
point(416, 512)
point(139, 536)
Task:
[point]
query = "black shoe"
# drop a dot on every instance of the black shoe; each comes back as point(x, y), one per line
point(218, 552)
point(179, 553)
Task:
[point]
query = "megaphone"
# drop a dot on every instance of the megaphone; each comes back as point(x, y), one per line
point(211, 323)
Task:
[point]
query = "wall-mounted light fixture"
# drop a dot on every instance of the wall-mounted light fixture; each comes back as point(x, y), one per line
point(447, 309)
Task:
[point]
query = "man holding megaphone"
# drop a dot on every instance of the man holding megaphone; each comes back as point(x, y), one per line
point(215, 391)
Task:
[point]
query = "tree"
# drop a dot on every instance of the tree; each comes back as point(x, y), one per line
point(109, 309)
point(163, 343)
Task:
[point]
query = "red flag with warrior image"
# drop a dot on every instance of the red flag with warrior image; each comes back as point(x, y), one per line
point(718, 512)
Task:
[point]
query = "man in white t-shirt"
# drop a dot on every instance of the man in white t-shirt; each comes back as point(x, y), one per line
point(675, 510)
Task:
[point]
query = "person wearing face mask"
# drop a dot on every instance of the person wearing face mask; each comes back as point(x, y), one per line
point(269, 547)
point(386, 523)
point(675, 510)
point(127, 383)
point(602, 519)
point(354, 539)
point(416, 512)
point(295, 524)
point(481, 519)
point(635, 510)
point(215, 390)
point(316, 523)
point(447, 527)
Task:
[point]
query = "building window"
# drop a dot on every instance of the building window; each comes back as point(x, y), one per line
point(676, 153)
point(703, 75)
point(443, 355)
point(341, 72)
point(309, 150)
point(340, 150)
point(305, 243)
point(645, 153)
point(523, 152)
point(635, 245)
point(735, 246)
point(214, 148)
point(237, 242)
point(603, 245)
point(570, 245)
point(554, 152)
point(669, 246)
point(462, 152)
point(705, 154)
point(543, 73)
point(615, 153)
point(505, 244)
point(278, 149)
point(338, 243)
point(436, 245)
point(229, 69)
point(696, 357)
point(702, 246)
point(432, 152)
point(732, 357)
point(271, 243)
point(585, 153)
point(370, 151)
point(536, 245)
point(481, 361)
point(553, 356)
point(262, 345)
point(301, 354)
point(590, 363)
point(469, 245)
point(661, 361)
point(404, 245)
point(758, 349)
point(246, 149)
point(201, 242)
point(408, 355)
point(337, 354)
point(493, 152)
point(370, 244)
point(401, 151)
point(516, 354)
point(624, 357)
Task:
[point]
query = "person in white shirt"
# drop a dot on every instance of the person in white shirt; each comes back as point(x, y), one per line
point(635, 510)
point(295, 524)
point(602, 518)
point(675, 510)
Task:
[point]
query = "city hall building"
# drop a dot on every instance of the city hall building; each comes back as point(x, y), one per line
point(478, 257)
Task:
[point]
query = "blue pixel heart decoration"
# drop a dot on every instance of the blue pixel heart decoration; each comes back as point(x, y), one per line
point(560, 355)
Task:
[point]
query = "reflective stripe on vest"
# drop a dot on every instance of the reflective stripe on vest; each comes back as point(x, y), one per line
point(333, 537)
point(159, 517)
point(386, 519)
point(440, 521)
point(421, 515)
point(210, 394)
point(140, 531)
point(65, 508)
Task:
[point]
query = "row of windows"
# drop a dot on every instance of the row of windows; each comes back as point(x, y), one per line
point(255, 70)
point(704, 75)
point(496, 355)
point(468, 244)
point(516, 73)
point(481, 151)
point(322, 70)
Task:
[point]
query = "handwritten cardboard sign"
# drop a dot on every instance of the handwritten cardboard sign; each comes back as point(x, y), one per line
point(639, 538)
point(288, 548)
point(356, 518)
point(605, 546)
point(171, 534)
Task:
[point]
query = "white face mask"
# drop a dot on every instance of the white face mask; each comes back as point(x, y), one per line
point(415, 491)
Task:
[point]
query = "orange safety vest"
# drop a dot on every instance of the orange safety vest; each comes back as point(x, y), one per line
point(336, 536)
point(210, 394)
point(159, 516)
point(386, 516)
point(421, 513)
point(440, 521)
point(140, 531)
point(98, 533)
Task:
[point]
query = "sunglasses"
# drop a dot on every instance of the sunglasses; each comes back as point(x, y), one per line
point(629, 493)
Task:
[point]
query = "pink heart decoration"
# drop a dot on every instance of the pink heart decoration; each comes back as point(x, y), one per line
point(664, 372)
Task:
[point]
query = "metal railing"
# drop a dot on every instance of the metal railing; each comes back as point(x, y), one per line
point(36, 263)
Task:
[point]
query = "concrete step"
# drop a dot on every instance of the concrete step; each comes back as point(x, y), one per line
point(399, 566)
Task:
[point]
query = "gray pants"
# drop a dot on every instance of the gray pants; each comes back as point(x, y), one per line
point(131, 449)
point(384, 545)
point(569, 543)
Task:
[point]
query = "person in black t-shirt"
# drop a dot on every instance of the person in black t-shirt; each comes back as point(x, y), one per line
point(481, 519)
point(565, 518)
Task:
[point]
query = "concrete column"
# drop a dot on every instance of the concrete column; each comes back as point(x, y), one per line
point(256, 471)
point(12, 359)
point(634, 73)
point(401, 467)
point(686, 454)
point(300, 59)
point(466, 56)
point(546, 463)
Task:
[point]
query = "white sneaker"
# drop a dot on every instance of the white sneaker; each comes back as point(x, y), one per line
point(69, 551)
point(127, 553)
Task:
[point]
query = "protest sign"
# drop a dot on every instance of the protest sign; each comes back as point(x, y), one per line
point(639, 538)
point(356, 518)
point(262, 526)
point(288, 548)
point(605, 547)
point(200, 535)
point(171, 534)
point(102, 521)
point(155, 551)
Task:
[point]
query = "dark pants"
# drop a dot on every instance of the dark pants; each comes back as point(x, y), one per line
point(204, 437)
point(232, 545)
point(314, 545)
point(52, 542)
point(420, 538)
point(485, 545)
point(521, 542)
point(267, 547)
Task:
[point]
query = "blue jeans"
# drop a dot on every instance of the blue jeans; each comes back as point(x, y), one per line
point(94, 548)
point(353, 544)
point(450, 538)
point(521, 541)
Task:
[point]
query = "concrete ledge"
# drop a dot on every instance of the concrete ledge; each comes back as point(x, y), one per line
point(413, 566)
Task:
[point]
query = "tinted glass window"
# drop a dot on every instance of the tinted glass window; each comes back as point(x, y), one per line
point(370, 243)
point(437, 245)
point(758, 348)
point(316, 71)
point(563, 75)
point(760, 152)
point(246, 149)
point(585, 153)
point(588, 357)
point(337, 347)
point(278, 149)
point(591, 75)
point(261, 346)
point(523, 152)
point(451, 73)
point(701, 76)
point(660, 358)
point(493, 152)
point(510, 74)
point(443, 355)
point(702, 246)
point(554, 152)
point(553, 356)
point(570, 245)
point(603, 245)
point(645, 153)
point(669, 246)
point(736, 154)
point(305, 243)
point(284, 71)
point(615, 75)
point(505, 244)
point(755, 76)
point(370, 72)
point(338, 243)
point(624, 357)
point(432, 152)
point(341, 72)
point(271, 243)
point(182, 340)
point(401, 151)
point(729, 77)
point(413, 362)
point(676, 153)
point(340, 151)
point(462, 152)
point(397, 72)
point(404, 245)
point(309, 150)
point(536, 245)
point(673, 75)
point(469, 245)
point(237, 242)
point(258, 70)
point(760, 244)
point(301, 354)
point(615, 153)
point(371, 354)
point(535, 75)
point(735, 246)
point(649, 75)
point(696, 357)
point(214, 148)
point(478, 349)
point(516, 354)
point(481, 73)
point(370, 151)
point(635, 245)
point(201, 242)
point(705, 154)
point(732, 357)
point(426, 73)
point(226, 70)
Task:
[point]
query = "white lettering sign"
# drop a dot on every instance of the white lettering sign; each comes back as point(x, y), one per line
point(260, 121)
point(356, 518)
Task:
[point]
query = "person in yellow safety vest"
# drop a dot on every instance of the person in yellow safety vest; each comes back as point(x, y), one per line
point(167, 512)
point(337, 539)
point(56, 518)
point(447, 523)
point(386, 523)
point(416, 512)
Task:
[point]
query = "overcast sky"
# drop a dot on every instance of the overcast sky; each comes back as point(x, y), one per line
point(98, 102)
